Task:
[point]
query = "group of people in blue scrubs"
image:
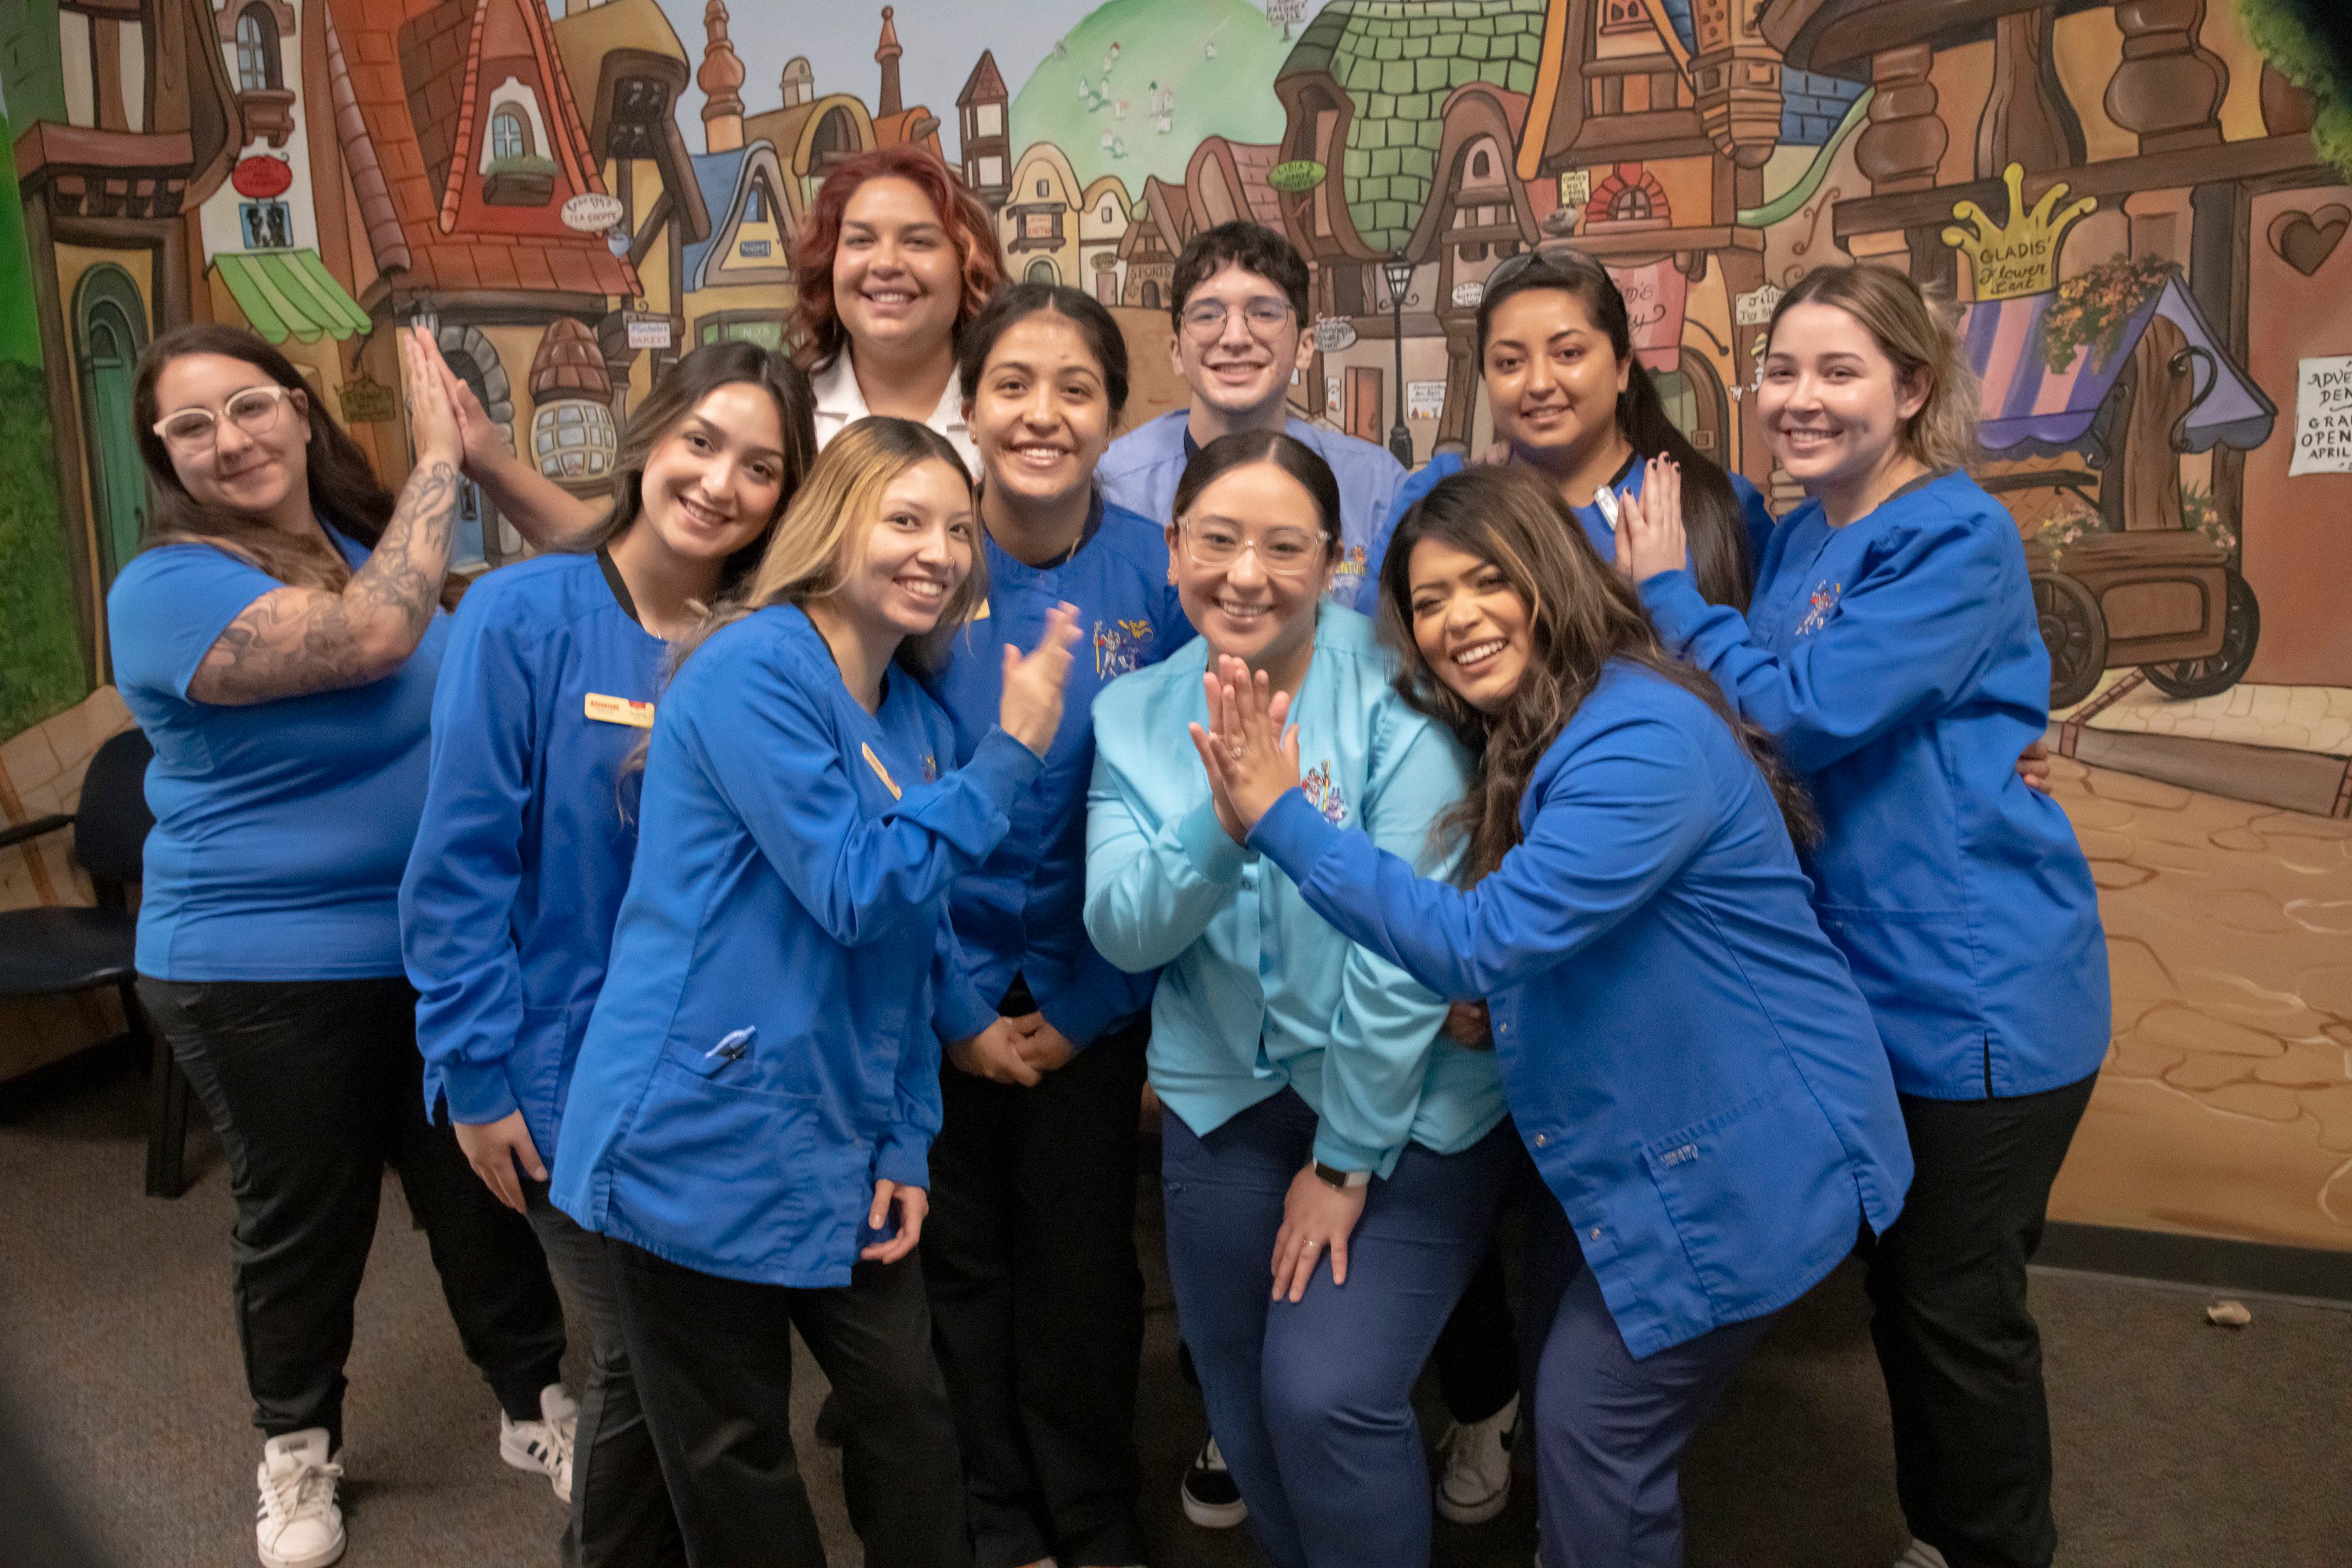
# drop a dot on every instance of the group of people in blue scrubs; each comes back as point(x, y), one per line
point(769, 905)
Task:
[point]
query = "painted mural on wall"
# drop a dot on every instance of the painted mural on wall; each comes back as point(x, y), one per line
point(2126, 200)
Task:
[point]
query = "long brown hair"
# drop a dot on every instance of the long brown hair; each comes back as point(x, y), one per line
point(824, 529)
point(676, 395)
point(817, 335)
point(1581, 614)
point(344, 490)
point(1920, 335)
point(1719, 546)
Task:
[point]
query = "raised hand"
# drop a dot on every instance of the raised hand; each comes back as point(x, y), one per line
point(480, 438)
point(1031, 709)
point(1649, 537)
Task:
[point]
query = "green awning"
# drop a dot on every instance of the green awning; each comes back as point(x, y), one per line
point(290, 294)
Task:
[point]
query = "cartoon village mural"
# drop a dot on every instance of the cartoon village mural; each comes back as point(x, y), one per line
point(2126, 199)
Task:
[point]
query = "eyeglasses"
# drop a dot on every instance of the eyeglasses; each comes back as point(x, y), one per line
point(1205, 320)
point(1283, 553)
point(253, 411)
point(1551, 253)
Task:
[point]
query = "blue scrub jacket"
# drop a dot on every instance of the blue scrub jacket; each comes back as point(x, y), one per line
point(531, 820)
point(764, 1050)
point(1899, 663)
point(1754, 513)
point(1024, 911)
point(1686, 1055)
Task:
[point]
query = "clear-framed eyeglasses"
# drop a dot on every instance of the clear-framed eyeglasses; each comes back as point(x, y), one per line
point(1281, 552)
point(255, 411)
point(1263, 314)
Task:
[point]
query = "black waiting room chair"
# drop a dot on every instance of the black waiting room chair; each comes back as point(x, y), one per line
point(55, 950)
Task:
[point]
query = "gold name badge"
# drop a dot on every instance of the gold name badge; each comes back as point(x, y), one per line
point(620, 710)
point(879, 771)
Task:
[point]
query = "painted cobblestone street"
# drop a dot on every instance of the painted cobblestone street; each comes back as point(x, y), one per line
point(2225, 1104)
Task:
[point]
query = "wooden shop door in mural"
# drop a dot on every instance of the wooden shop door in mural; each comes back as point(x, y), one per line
point(1364, 402)
point(109, 332)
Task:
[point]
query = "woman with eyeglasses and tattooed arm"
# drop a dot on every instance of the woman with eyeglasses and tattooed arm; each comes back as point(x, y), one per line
point(277, 639)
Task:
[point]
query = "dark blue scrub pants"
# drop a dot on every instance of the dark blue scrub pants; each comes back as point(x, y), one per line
point(1312, 1402)
point(1610, 1430)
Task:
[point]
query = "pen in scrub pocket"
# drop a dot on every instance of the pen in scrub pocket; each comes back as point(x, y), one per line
point(733, 1044)
point(1606, 499)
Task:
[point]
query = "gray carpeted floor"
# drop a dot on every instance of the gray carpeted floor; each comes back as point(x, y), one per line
point(2177, 1443)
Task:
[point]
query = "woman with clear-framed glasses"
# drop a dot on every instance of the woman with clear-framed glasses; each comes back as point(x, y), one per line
point(278, 639)
point(1316, 1116)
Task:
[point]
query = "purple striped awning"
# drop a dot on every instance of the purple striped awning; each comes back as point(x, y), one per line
point(2025, 405)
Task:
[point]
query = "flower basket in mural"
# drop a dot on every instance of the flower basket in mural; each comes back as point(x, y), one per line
point(2119, 369)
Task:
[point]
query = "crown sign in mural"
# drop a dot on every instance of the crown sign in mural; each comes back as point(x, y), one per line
point(2019, 255)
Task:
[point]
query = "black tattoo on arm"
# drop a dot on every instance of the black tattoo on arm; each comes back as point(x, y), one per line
point(296, 641)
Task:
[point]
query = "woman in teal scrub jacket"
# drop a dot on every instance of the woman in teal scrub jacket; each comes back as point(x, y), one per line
point(1893, 649)
point(754, 1102)
point(530, 821)
point(1686, 1055)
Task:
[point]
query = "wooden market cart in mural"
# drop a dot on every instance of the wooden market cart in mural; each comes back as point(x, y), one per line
point(2141, 588)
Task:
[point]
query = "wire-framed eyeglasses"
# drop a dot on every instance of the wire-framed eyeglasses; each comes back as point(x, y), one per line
point(1281, 552)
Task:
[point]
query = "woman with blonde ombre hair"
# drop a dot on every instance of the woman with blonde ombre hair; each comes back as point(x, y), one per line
point(1892, 650)
point(750, 1116)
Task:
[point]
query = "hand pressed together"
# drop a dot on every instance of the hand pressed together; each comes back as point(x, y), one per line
point(1649, 537)
point(1250, 756)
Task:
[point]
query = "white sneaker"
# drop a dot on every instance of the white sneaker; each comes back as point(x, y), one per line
point(1210, 1499)
point(1919, 1554)
point(544, 1445)
point(298, 1524)
point(1475, 1483)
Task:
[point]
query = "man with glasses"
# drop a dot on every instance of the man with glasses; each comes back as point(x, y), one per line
point(1239, 302)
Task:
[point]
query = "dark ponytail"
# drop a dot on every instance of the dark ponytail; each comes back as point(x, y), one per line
point(1720, 551)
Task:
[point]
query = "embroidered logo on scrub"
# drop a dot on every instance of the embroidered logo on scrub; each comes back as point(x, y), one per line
point(1118, 648)
point(1817, 607)
point(1324, 795)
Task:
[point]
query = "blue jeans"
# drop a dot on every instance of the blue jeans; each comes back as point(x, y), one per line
point(1311, 1402)
point(1610, 1430)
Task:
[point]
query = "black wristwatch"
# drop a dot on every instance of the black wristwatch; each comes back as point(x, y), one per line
point(1341, 1181)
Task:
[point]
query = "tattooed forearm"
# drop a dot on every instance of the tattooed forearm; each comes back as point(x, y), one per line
point(296, 641)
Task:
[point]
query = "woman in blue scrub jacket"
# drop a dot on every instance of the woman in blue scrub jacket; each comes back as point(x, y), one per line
point(1314, 1111)
point(1029, 1250)
point(278, 638)
point(753, 1103)
point(1687, 1059)
point(531, 820)
point(1894, 651)
point(1572, 404)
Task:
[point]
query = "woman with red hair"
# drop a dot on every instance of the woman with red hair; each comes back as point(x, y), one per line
point(892, 261)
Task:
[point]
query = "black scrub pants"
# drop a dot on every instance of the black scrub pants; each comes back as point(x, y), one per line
point(1961, 1353)
point(314, 1087)
point(1037, 1301)
point(713, 1360)
point(621, 1516)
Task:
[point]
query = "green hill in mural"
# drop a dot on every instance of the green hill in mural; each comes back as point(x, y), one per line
point(1182, 70)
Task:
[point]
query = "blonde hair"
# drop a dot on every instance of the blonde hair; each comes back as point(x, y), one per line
point(824, 528)
point(1920, 336)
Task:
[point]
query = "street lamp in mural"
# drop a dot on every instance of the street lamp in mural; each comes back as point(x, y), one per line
point(1398, 270)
